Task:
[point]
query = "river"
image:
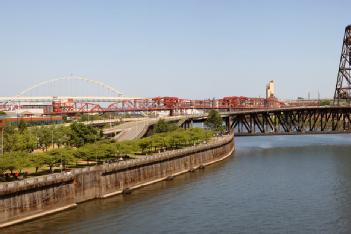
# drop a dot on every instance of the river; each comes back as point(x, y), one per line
point(275, 184)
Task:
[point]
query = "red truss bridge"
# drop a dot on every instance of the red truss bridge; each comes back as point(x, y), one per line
point(163, 104)
point(53, 105)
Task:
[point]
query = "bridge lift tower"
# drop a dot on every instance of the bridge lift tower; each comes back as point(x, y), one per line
point(343, 84)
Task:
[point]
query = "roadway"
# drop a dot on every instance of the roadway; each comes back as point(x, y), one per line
point(138, 128)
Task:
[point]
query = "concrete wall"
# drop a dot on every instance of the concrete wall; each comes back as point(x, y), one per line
point(34, 197)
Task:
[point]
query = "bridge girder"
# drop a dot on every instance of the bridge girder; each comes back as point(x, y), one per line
point(293, 121)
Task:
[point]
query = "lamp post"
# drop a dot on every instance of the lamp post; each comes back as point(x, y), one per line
point(52, 137)
point(2, 141)
point(61, 162)
point(95, 153)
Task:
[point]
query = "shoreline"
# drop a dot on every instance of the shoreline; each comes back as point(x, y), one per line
point(36, 197)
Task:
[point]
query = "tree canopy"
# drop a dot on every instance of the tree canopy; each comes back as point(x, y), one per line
point(214, 121)
point(23, 157)
point(164, 126)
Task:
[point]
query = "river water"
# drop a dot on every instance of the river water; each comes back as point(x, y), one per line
point(275, 184)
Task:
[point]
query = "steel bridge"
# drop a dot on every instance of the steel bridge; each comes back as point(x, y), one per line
point(75, 105)
point(285, 121)
point(288, 121)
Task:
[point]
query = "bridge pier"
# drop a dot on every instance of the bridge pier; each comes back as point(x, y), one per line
point(228, 123)
point(188, 124)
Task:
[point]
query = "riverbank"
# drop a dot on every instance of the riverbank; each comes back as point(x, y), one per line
point(31, 198)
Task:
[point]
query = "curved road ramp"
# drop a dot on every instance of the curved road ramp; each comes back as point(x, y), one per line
point(136, 129)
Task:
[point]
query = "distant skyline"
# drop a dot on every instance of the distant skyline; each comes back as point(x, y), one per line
point(191, 49)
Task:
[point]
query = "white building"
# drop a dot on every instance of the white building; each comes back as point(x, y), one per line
point(270, 89)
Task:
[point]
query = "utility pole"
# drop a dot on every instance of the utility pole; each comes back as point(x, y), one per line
point(52, 137)
point(96, 162)
point(2, 141)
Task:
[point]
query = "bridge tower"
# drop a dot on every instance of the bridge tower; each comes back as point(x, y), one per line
point(343, 83)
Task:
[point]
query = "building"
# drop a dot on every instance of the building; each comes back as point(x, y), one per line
point(270, 89)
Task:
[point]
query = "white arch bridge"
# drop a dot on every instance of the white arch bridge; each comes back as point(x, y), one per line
point(24, 100)
point(117, 103)
point(24, 96)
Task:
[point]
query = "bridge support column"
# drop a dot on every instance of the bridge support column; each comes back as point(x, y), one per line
point(227, 123)
point(188, 124)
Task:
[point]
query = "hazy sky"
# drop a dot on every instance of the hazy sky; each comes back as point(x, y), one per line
point(190, 49)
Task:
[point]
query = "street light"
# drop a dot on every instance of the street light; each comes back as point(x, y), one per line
point(61, 162)
point(2, 141)
point(52, 137)
point(95, 153)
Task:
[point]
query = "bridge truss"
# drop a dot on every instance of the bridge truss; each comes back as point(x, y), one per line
point(343, 83)
point(163, 104)
point(307, 120)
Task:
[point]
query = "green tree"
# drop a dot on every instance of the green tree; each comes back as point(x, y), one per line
point(62, 156)
point(37, 160)
point(62, 135)
point(82, 134)
point(195, 135)
point(28, 141)
point(158, 142)
point(22, 125)
point(10, 138)
point(214, 121)
point(3, 165)
point(177, 138)
point(8, 162)
point(50, 160)
point(145, 144)
point(88, 152)
point(128, 147)
point(45, 136)
point(163, 126)
point(15, 161)
point(22, 161)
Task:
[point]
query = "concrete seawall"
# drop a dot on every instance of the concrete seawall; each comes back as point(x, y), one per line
point(31, 198)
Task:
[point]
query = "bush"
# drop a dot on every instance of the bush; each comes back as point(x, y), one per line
point(214, 121)
point(163, 126)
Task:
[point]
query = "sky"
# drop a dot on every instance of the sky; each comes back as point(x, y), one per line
point(185, 48)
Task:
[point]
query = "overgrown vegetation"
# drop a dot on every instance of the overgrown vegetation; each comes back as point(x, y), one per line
point(164, 126)
point(214, 121)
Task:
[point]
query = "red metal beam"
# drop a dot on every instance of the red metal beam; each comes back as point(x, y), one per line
point(165, 104)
